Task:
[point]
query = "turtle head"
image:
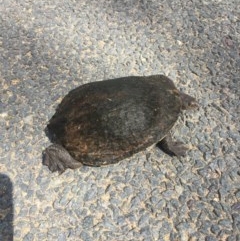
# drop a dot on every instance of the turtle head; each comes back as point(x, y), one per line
point(188, 102)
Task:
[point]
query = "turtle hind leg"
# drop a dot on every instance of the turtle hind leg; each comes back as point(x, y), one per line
point(58, 159)
point(171, 147)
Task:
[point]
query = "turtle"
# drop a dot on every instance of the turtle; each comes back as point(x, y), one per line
point(104, 122)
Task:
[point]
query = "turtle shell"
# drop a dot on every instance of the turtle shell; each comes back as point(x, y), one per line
point(104, 122)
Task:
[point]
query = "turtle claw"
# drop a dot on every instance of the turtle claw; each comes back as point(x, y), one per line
point(172, 148)
point(178, 149)
point(58, 159)
point(52, 162)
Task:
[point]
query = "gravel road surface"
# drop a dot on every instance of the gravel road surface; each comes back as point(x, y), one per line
point(48, 48)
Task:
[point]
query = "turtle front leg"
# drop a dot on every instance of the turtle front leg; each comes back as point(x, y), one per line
point(171, 147)
point(58, 159)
